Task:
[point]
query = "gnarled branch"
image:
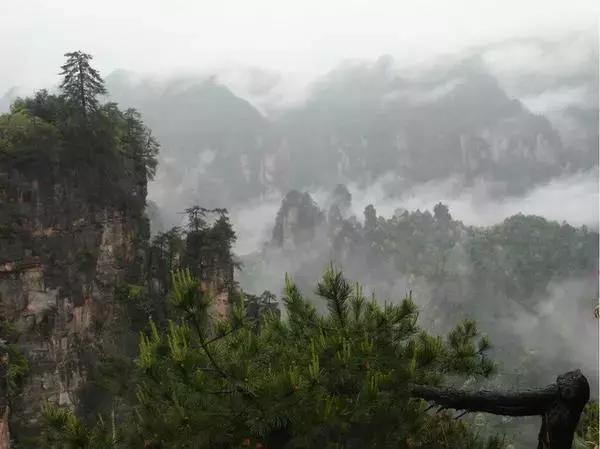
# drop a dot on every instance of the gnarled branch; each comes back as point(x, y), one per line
point(560, 405)
point(524, 403)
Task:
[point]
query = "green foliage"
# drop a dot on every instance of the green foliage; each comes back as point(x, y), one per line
point(18, 365)
point(138, 144)
point(467, 348)
point(336, 290)
point(208, 243)
point(260, 308)
point(24, 136)
point(164, 256)
point(516, 258)
point(588, 434)
point(525, 252)
point(129, 292)
point(81, 83)
point(498, 275)
point(185, 294)
point(109, 154)
point(337, 380)
point(18, 368)
point(63, 430)
point(204, 248)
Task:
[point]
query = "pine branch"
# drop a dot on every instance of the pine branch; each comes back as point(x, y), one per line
point(203, 344)
point(219, 337)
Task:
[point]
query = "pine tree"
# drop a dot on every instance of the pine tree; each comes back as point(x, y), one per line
point(140, 146)
point(81, 82)
point(208, 242)
point(340, 380)
point(165, 256)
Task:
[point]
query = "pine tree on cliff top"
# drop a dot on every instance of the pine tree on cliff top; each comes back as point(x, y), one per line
point(81, 83)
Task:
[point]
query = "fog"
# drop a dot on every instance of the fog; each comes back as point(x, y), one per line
point(566, 77)
point(571, 199)
point(159, 37)
point(488, 107)
point(277, 61)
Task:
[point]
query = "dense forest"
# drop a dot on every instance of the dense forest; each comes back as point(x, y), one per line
point(115, 337)
point(512, 278)
point(516, 257)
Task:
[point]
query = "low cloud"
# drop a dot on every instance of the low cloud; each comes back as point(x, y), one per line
point(560, 99)
point(253, 223)
point(573, 199)
point(561, 332)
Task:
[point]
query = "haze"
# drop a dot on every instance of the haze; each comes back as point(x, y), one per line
point(444, 148)
point(301, 39)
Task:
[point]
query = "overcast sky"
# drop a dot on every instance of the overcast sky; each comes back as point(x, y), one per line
point(308, 36)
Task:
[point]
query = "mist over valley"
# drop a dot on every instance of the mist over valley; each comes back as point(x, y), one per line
point(301, 239)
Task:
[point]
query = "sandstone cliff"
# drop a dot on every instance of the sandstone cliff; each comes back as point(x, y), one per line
point(61, 257)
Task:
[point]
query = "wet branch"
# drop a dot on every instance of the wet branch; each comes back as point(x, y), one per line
point(525, 403)
point(560, 405)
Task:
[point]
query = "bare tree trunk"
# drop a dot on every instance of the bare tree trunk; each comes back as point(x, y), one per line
point(560, 405)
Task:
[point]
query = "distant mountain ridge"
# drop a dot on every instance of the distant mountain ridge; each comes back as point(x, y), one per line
point(515, 114)
point(359, 123)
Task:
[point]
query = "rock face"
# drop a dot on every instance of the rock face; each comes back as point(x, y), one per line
point(297, 220)
point(218, 284)
point(61, 258)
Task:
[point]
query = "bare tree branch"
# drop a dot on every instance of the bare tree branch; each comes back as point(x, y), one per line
point(560, 405)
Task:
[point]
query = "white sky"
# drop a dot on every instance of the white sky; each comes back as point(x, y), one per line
point(300, 36)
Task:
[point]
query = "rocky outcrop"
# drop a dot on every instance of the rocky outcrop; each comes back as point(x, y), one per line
point(218, 283)
point(61, 257)
point(297, 220)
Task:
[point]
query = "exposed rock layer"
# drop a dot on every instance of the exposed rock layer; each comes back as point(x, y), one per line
point(61, 258)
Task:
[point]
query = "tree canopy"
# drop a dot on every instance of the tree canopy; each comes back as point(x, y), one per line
point(81, 83)
point(109, 153)
point(307, 380)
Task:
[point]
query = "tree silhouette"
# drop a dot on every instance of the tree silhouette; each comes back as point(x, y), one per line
point(81, 82)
